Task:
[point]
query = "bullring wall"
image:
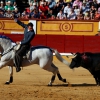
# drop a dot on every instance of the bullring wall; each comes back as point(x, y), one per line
point(64, 43)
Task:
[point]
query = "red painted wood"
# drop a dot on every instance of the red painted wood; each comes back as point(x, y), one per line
point(91, 44)
point(39, 40)
point(63, 43)
point(56, 42)
point(15, 37)
point(73, 44)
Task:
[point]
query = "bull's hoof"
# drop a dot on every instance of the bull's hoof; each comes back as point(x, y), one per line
point(64, 80)
point(7, 83)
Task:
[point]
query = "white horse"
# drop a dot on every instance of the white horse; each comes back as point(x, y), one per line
point(43, 56)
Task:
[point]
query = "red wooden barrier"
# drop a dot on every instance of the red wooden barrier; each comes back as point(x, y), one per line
point(63, 43)
point(56, 42)
point(74, 43)
point(91, 44)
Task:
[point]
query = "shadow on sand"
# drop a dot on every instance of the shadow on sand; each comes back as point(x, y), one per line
point(73, 85)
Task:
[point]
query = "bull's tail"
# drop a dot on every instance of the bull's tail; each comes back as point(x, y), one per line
point(59, 57)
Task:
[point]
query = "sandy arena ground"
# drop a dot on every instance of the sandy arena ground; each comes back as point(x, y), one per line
point(31, 84)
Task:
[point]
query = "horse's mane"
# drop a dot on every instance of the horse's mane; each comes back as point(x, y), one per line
point(5, 37)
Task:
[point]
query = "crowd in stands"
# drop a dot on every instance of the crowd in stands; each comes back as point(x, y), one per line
point(53, 9)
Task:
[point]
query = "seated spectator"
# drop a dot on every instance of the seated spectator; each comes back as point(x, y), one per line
point(60, 5)
point(51, 4)
point(61, 15)
point(67, 9)
point(43, 8)
point(92, 11)
point(11, 7)
point(25, 14)
point(97, 16)
point(53, 17)
point(13, 2)
point(31, 6)
point(76, 9)
point(95, 4)
point(36, 14)
point(34, 1)
point(84, 7)
point(87, 16)
point(80, 16)
point(1, 13)
point(43, 16)
point(35, 6)
point(46, 7)
point(8, 14)
point(78, 3)
point(50, 13)
point(31, 13)
point(16, 13)
point(71, 15)
point(2, 5)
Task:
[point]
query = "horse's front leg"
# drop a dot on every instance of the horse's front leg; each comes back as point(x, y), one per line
point(11, 75)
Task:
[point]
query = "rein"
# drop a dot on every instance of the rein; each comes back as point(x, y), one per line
point(2, 54)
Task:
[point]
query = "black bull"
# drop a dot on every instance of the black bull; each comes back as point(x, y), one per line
point(89, 61)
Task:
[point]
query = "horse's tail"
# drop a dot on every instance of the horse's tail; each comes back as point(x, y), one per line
point(59, 57)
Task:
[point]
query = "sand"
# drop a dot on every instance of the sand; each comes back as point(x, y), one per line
point(31, 84)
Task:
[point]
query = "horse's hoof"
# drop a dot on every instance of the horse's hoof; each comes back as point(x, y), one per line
point(7, 83)
point(49, 84)
point(64, 80)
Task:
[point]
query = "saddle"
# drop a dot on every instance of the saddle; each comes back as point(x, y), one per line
point(26, 54)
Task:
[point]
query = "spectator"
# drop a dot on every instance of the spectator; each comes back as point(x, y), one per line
point(25, 14)
point(8, 14)
point(43, 8)
point(97, 16)
point(78, 3)
point(95, 4)
point(53, 17)
point(31, 13)
point(11, 7)
point(1, 13)
point(61, 15)
point(46, 7)
point(16, 13)
point(13, 2)
point(87, 16)
point(2, 5)
point(35, 6)
point(51, 4)
point(35, 14)
point(84, 7)
point(31, 6)
point(43, 16)
point(76, 9)
point(60, 5)
point(92, 11)
point(67, 9)
point(50, 13)
point(72, 15)
point(80, 16)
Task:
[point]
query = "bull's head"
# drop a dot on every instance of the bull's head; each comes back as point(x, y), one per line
point(76, 61)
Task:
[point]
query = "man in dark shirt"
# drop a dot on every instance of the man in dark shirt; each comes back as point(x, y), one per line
point(29, 34)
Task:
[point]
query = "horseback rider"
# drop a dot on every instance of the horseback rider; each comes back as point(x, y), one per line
point(29, 34)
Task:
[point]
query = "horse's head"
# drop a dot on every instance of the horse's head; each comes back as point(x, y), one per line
point(5, 43)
